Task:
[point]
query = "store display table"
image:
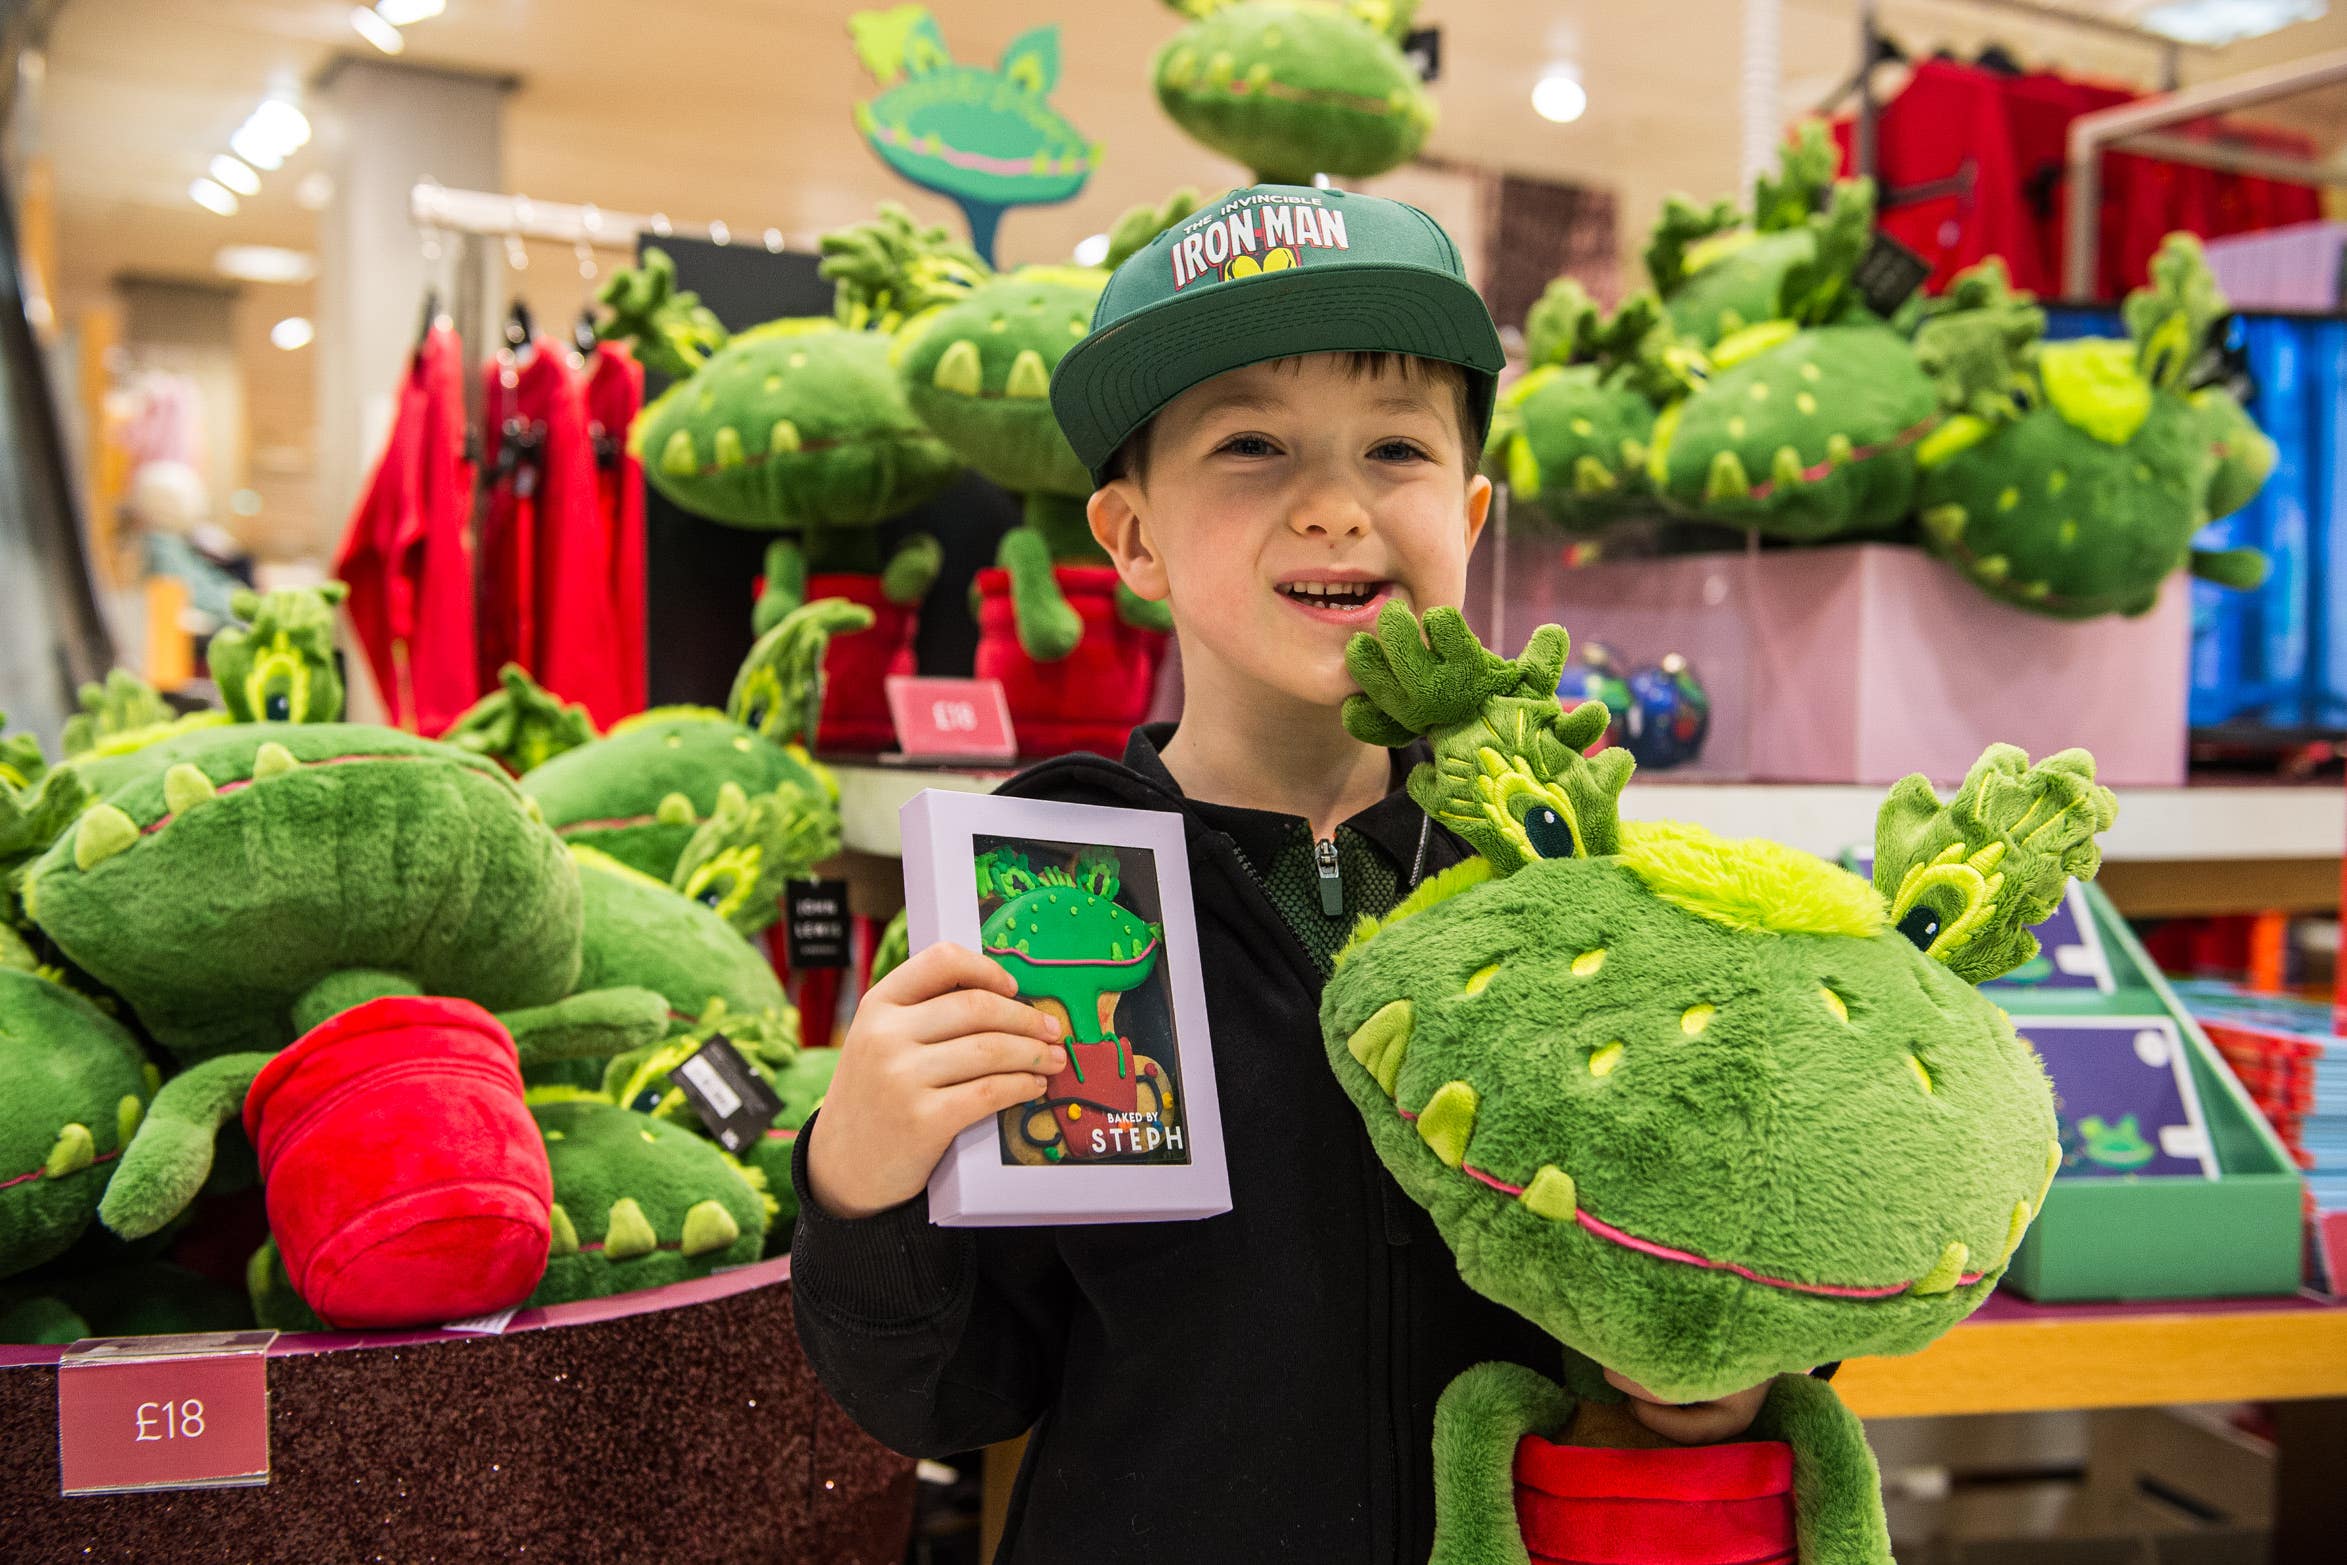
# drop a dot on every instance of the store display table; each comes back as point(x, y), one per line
point(679, 1423)
point(2014, 1356)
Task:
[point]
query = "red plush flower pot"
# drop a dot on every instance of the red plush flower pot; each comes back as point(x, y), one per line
point(1088, 700)
point(406, 1181)
point(1682, 1505)
point(855, 699)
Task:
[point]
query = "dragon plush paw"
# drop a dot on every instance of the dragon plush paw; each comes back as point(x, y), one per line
point(673, 331)
point(522, 725)
point(166, 1163)
point(739, 859)
point(1508, 773)
point(1966, 879)
point(123, 703)
point(781, 682)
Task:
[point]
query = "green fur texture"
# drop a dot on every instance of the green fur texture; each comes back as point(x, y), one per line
point(795, 424)
point(640, 932)
point(1292, 90)
point(77, 1087)
point(1709, 1112)
point(167, 1163)
point(1732, 1143)
point(124, 704)
point(2080, 495)
point(1807, 439)
point(243, 864)
point(521, 725)
point(978, 372)
point(639, 1202)
point(616, 794)
point(1980, 870)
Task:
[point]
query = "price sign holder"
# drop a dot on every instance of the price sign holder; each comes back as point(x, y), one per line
point(951, 719)
point(179, 1412)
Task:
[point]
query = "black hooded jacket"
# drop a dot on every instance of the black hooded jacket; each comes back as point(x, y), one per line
point(1258, 1385)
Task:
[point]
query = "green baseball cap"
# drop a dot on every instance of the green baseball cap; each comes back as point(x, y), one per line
point(1268, 273)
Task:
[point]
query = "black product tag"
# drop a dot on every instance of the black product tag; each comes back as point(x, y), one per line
point(815, 924)
point(1887, 273)
point(1423, 49)
point(732, 1099)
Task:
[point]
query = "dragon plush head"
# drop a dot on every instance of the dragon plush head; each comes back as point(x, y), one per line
point(1707, 1111)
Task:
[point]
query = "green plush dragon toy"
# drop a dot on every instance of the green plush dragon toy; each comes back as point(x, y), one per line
point(642, 791)
point(1710, 1112)
point(796, 425)
point(1571, 434)
point(1294, 88)
point(2078, 491)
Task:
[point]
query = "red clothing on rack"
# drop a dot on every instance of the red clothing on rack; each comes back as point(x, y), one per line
point(407, 557)
point(1989, 155)
point(615, 392)
point(547, 586)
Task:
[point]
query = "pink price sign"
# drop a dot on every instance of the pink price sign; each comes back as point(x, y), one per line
point(186, 1412)
point(951, 719)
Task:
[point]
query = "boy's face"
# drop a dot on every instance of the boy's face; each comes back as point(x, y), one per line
point(1282, 504)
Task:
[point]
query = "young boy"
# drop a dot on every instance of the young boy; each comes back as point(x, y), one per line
point(1283, 402)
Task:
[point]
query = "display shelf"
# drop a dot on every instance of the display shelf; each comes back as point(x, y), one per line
point(2209, 824)
point(2014, 1357)
point(607, 1429)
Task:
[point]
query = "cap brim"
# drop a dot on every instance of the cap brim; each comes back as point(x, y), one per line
point(1115, 380)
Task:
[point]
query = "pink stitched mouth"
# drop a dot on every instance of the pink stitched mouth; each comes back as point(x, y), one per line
point(1630, 1241)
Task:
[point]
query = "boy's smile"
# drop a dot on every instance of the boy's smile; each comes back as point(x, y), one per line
point(1280, 505)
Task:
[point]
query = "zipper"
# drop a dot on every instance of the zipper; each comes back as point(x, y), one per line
point(1332, 886)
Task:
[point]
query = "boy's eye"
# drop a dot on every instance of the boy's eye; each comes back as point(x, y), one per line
point(1248, 445)
point(1397, 451)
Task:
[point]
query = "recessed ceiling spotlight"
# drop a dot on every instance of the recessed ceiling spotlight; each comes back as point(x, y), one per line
point(264, 264)
point(236, 175)
point(293, 332)
point(1559, 97)
point(375, 30)
point(1092, 250)
point(406, 13)
point(213, 196)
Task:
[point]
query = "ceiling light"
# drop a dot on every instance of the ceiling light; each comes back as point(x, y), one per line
point(264, 264)
point(376, 31)
point(2227, 21)
point(256, 149)
point(236, 176)
point(213, 196)
point(405, 13)
point(293, 332)
point(285, 126)
point(1559, 96)
point(1092, 250)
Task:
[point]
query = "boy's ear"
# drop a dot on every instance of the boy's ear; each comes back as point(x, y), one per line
point(1478, 508)
point(1120, 526)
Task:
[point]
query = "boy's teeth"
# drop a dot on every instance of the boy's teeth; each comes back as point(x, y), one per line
point(1335, 593)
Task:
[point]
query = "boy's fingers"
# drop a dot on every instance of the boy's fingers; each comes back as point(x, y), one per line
point(957, 1060)
point(940, 969)
point(973, 1101)
point(966, 1011)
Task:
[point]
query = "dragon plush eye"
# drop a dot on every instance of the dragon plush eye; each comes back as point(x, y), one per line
point(1549, 833)
point(758, 706)
point(278, 687)
point(1942, 904)
point(724, 882)
point(1921, 926)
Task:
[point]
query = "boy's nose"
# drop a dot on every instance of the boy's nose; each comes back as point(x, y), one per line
point(1328, 512)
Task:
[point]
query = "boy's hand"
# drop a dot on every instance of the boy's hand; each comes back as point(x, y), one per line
point(937, 1045)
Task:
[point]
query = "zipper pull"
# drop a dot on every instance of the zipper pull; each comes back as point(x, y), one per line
point(1332, 888)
